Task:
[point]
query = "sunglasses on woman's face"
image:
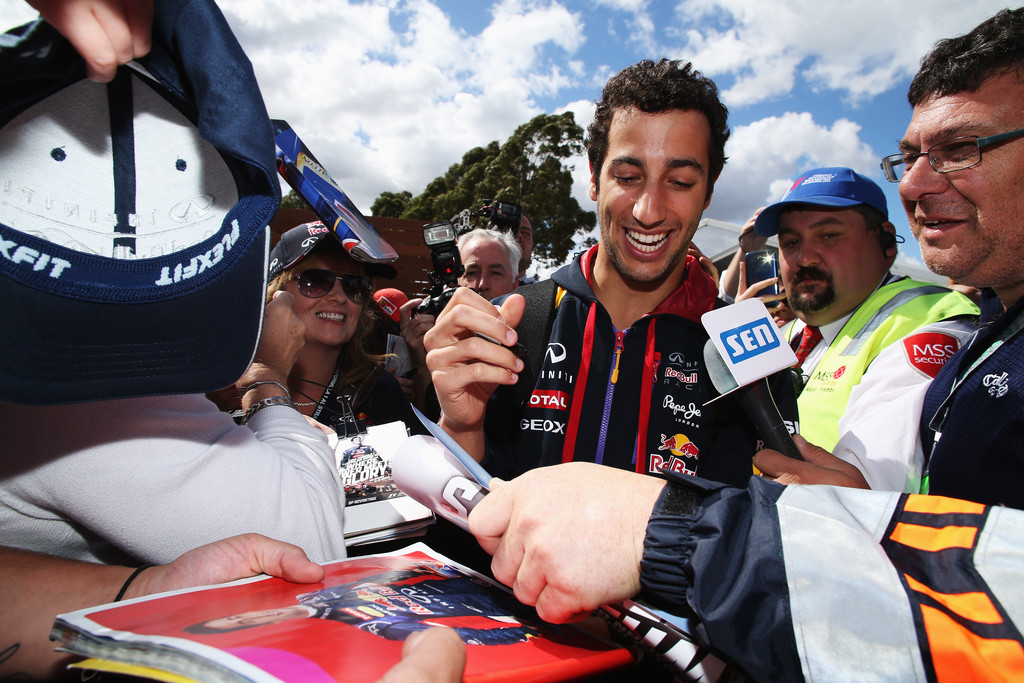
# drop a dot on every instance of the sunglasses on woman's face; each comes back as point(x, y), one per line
point(316, 283)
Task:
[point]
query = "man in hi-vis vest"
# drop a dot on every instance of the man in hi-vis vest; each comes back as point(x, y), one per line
point(869, 341)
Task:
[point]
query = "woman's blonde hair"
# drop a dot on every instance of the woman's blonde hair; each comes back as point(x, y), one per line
point(354, 361)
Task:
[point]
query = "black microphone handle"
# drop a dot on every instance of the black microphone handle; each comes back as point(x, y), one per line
point(760, 405)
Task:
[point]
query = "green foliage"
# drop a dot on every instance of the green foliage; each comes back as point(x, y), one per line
point(293, 200)
point(529, 169)
point(390, 204)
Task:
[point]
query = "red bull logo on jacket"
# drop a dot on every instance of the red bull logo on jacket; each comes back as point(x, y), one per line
point(678, 444)
point(684, 377)
point(680, 450)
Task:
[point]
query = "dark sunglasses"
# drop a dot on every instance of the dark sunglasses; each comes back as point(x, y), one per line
point(316, 283)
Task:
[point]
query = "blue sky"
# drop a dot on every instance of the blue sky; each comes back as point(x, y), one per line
point(389, 93)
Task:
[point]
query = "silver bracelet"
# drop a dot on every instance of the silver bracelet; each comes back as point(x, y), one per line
point(264, 382)
point(263, 403)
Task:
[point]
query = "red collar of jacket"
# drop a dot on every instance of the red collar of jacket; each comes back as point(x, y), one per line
point(693, 298)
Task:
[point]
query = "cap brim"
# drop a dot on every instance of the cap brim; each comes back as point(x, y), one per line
point(767, 222)
point(70, 351)
point(164, 299)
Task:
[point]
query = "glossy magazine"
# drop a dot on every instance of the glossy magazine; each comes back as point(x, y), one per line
point(350, 627)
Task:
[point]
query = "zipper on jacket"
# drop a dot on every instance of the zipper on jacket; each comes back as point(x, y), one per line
point(609, 393)
point(619, 337)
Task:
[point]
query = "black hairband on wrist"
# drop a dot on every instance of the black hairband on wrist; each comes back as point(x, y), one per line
point(128, 581)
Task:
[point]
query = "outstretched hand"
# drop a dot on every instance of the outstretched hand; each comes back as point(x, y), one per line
point(750, 240)
point(238, 557)
point(751, 291)
point(567, 538)
point(413, 329)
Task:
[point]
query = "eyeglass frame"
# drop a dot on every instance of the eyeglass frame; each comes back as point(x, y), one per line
point(360, 296)
point(888, 166)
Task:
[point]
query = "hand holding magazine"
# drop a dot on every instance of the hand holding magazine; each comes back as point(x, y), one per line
point(349, 627)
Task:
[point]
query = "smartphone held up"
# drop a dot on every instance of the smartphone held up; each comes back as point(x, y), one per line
point(763, 265)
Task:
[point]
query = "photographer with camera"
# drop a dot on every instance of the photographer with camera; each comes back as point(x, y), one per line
point(485, 260)
point(457, 260)
point(492, 254)
point(491, 262)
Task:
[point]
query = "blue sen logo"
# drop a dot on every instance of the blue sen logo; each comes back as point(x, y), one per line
point(750, 339)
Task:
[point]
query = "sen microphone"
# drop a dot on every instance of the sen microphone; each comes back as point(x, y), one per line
point(428, 473)
point(744, 347)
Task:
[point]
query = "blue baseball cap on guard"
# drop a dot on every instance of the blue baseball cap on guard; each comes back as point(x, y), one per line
point(133, 215)
point(833, 186)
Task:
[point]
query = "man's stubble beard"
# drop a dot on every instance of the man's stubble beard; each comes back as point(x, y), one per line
point(643, 277)
point(807, 302)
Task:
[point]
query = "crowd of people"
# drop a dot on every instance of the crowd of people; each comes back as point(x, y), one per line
point(617, 475)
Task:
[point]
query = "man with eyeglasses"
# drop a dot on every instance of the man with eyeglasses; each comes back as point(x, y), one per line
point(826, 582)
point(960, 174)
point(966, 209)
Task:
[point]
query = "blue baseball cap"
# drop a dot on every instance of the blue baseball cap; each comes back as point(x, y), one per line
point(833, 186)
point(133, 228)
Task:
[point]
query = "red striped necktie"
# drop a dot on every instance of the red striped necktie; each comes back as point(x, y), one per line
point(808, 340)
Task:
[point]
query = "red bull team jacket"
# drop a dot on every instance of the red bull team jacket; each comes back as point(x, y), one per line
point(635, 399)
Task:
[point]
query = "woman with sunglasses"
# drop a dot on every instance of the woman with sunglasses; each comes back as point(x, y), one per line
point(334, 373)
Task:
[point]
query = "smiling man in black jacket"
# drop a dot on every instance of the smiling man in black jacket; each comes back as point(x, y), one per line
point(621, 379)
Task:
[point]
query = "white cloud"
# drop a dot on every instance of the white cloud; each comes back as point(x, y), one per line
point(856, 48)
point(389, 94)
point(640, 31)
point(632, 6)
point(765, 157)
point(583, 114)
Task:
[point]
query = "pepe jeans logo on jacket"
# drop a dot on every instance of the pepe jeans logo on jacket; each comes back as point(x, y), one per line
point(997, 384)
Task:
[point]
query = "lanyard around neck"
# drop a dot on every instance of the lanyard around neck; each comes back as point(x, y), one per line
point(328, 390)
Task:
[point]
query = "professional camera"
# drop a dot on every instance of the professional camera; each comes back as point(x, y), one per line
point(502, 216)
point(446, 267)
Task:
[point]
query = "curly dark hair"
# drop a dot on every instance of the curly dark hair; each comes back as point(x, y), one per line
point(962, 64)
point(655, 88)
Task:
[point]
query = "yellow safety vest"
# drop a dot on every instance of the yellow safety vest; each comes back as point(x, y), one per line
point(889, 314)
